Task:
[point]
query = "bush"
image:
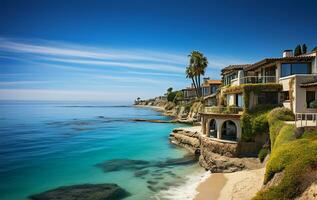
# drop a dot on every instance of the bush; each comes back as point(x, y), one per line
point(313, 104)
point(255, 122)
point(171, 96)
point(282, 114)
point(262, 154)
point(275, 119)
point(293, 156)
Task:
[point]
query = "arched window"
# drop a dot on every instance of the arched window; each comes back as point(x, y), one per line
point(229, 130)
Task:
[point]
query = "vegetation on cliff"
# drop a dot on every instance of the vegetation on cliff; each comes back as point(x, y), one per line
point(293, 155)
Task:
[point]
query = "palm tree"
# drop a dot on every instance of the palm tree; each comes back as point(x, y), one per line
point(190, 74)
point(197, 67)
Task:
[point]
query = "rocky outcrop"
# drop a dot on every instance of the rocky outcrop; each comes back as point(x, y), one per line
point(83, 192)
point(216, 156)
point(187, 139)
point(222, 148)
point(309, 194)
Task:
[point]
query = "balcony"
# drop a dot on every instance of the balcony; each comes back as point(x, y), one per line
point(223, 110)
point(258, 79)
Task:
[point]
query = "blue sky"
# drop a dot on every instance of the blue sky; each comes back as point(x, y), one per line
point(119, 50)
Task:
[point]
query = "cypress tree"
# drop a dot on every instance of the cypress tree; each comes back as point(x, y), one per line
point(304, 48)
point(298, 50)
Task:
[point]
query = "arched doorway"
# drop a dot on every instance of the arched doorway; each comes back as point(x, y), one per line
point(229, 130)
point(213, 128)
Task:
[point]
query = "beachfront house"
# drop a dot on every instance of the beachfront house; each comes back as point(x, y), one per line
point(209, 88)
point(289, 81)
point(209, 91)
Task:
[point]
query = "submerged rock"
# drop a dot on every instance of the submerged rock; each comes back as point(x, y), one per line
point(141, 173)
point(123, 164)
point(127, 164)
point(83, 192)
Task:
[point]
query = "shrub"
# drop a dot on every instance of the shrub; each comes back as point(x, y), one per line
point(255, 122)
point(282, 114)
point(262, 154)
point(293, 156)
point(171, 96)
point(313, 104)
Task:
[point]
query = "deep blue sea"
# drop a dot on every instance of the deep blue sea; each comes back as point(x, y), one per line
point(44, 145)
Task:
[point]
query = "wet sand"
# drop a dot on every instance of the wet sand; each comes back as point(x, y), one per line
point(241, 185)
point(210, 189)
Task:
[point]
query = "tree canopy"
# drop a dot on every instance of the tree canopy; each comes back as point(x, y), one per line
point(196, 67)
point(298, 50)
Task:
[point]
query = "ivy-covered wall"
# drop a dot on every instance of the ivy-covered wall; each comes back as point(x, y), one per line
point(247, 89)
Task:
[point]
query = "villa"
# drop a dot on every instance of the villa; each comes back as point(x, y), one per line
point(209, 89)
point(290, 81)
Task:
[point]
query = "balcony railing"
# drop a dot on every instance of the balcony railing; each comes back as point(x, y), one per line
point(258, 79)
point(305, 119)
point(223, 110)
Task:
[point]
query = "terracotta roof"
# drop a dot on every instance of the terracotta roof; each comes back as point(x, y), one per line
point(234, 67)
point(212, 82)
point(267, 61)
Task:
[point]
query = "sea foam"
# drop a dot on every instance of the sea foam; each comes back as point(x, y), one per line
point(186, 191)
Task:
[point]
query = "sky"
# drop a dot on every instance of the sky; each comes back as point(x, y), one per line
point(118, 50)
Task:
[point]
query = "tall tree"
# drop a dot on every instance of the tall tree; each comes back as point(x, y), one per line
point(298, 50)
point(314, 49)
point(197, 67)
point(304, 48)
point(190, 74)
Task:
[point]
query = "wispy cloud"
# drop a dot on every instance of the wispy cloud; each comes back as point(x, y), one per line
point(44, 94)
point(79, 54)
point(79, 66)
point(5, 83)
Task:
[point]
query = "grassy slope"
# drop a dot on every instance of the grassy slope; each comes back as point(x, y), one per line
point(294, 156)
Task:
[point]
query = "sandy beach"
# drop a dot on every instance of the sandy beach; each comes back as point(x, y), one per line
point(241, 185)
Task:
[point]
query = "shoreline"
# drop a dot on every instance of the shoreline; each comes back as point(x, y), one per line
point(241, 185)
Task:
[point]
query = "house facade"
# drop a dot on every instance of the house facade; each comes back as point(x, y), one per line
point(209, 89)
point(290, 81)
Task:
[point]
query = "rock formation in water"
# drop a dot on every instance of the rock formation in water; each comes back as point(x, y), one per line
point(83, 192)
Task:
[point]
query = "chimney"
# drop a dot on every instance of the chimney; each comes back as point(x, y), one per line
point(287, 53)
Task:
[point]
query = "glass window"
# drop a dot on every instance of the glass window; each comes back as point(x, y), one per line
point(310, 96)
point(285, 70)
point(295, 68)
point(240, 102)
point(268, 98)
point(300, 68)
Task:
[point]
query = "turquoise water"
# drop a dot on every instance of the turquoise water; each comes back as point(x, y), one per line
point(47, 145)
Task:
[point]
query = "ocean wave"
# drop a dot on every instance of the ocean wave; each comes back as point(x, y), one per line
point(186, 191)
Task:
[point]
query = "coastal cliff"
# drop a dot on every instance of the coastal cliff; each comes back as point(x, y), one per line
point(183, 113)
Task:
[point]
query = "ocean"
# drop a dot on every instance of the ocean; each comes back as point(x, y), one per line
point(45, 145)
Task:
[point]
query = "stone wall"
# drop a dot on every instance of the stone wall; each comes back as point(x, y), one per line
point(216, 156)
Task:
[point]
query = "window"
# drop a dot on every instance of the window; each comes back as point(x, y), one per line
point(295, 68)
point(268, 98)
point(285, 70)
point(213, 89)
point(310, 96)
point(285, 96)
point(239, 100)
